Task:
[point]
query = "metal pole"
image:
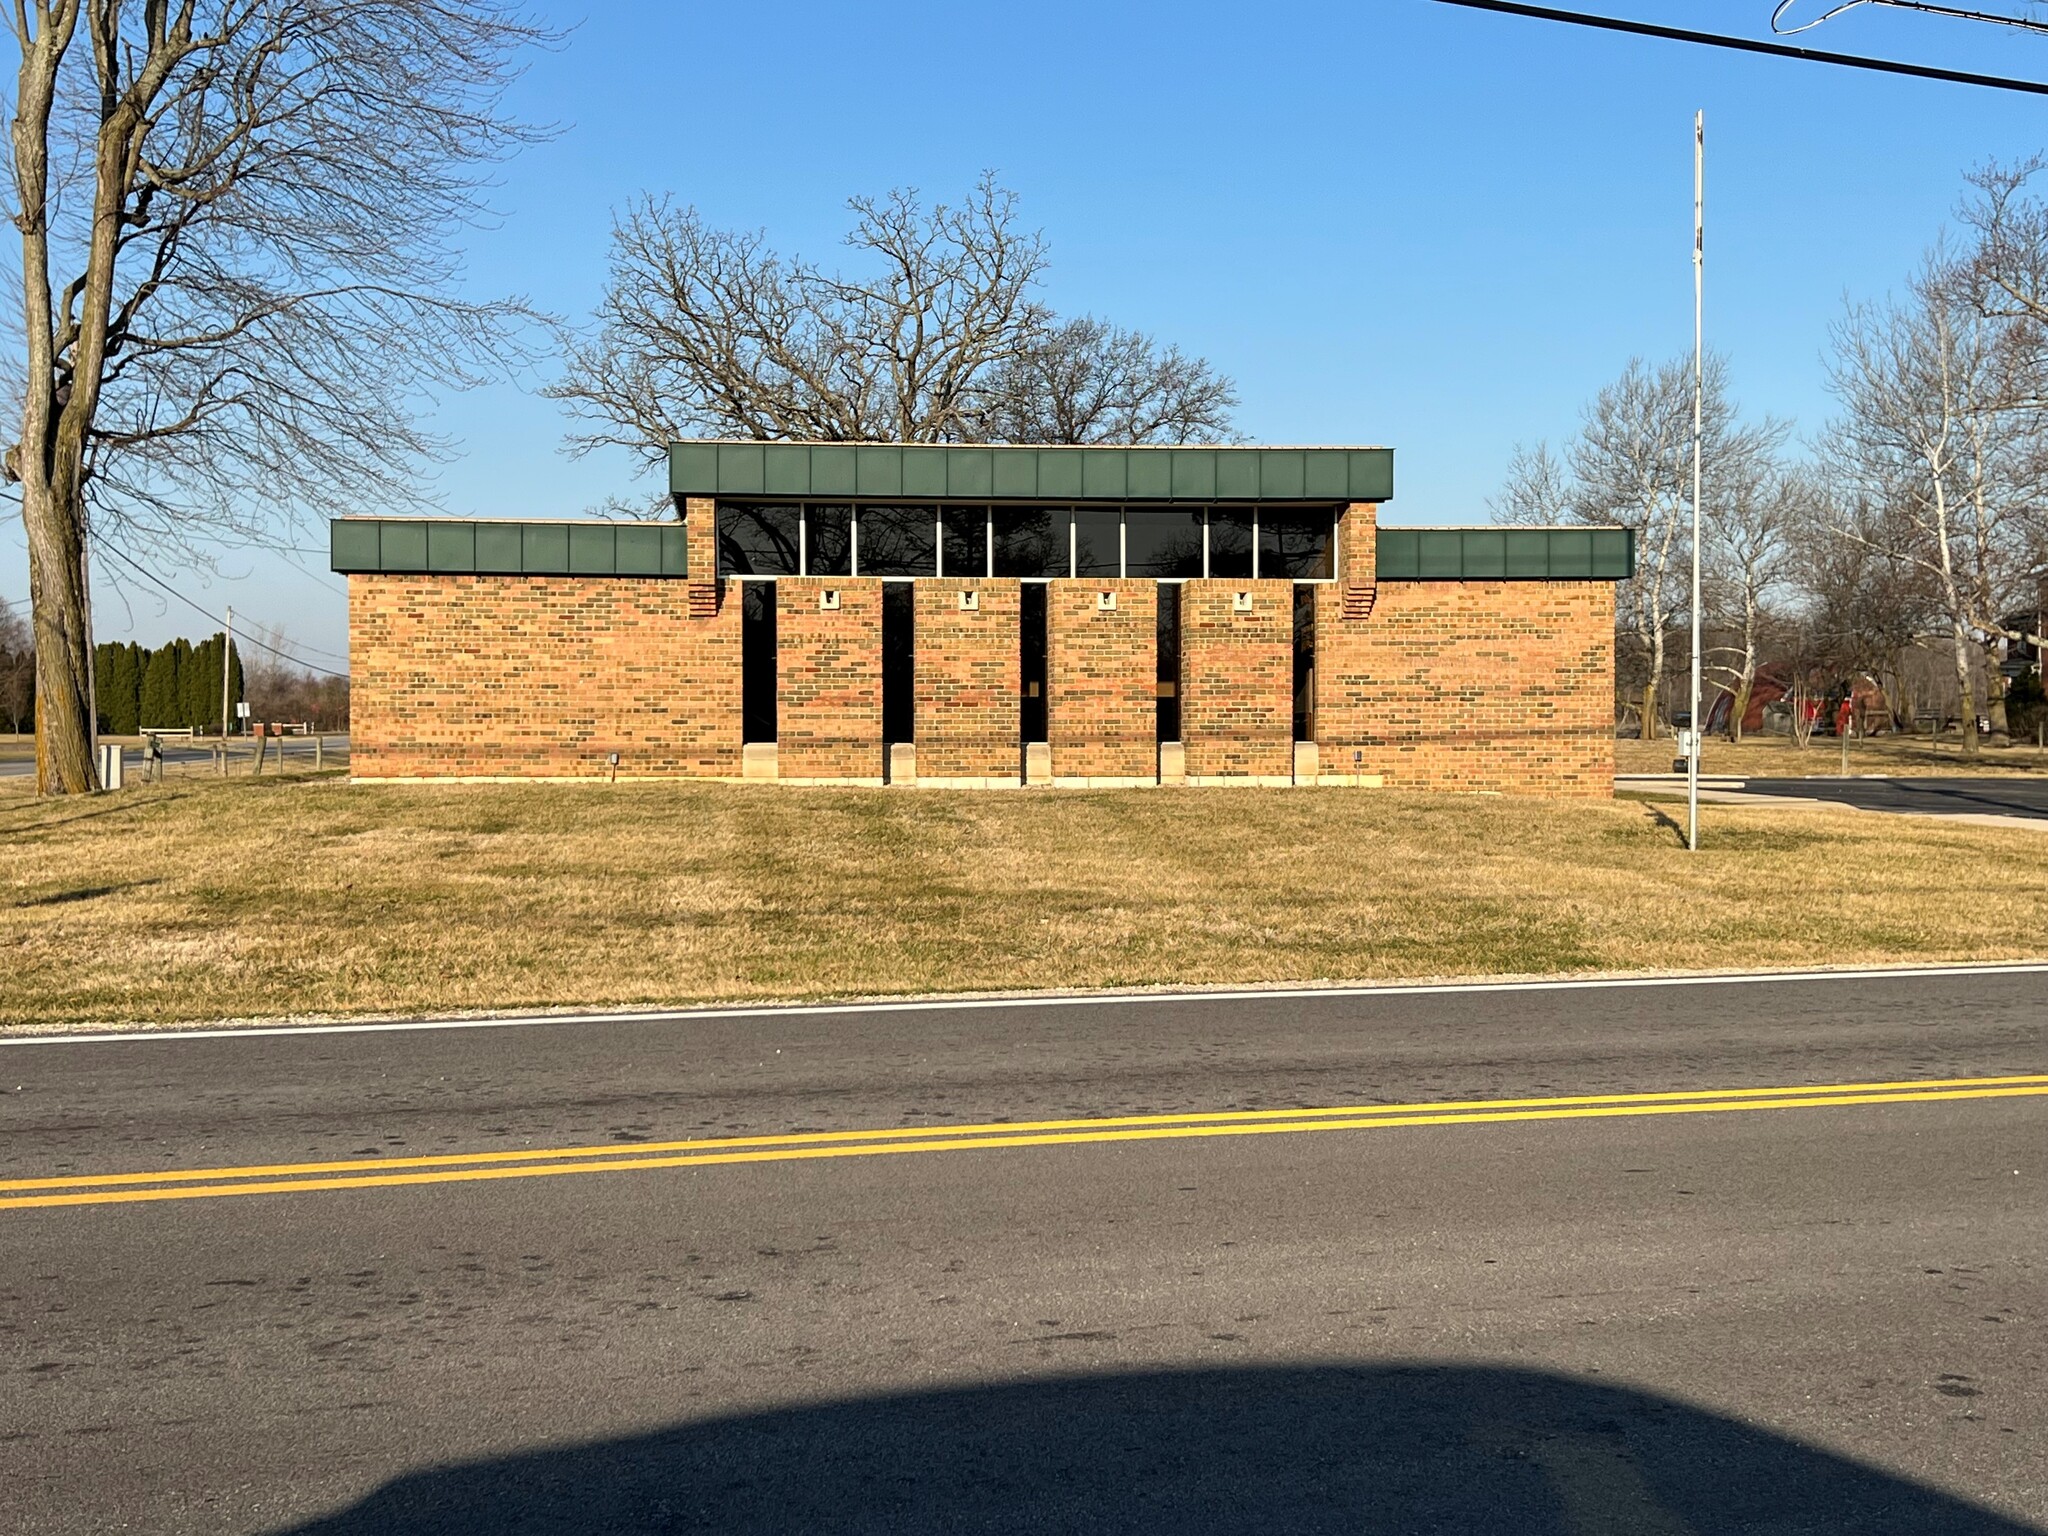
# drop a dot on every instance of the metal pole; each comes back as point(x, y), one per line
point(227, 646)
point(1699, 386)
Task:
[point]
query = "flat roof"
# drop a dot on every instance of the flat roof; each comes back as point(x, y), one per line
point(1006, 472)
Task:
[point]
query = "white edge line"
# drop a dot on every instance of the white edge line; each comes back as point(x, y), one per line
point(1050, 1000)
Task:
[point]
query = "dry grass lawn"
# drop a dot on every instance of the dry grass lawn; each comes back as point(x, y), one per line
point(1776, 757)
point(204, 899)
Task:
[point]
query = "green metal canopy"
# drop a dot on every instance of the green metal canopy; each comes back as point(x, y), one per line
point(919, 472)
point(448, 546)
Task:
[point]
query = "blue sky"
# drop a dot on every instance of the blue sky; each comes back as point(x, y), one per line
point(1391, 221)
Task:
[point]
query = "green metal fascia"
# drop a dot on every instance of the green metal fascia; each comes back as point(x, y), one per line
point(1506, 554)
point(449, 546)
point(945, 472)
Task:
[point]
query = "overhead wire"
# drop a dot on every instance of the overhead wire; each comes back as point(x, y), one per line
point(1954, 13)
point(240, 639)
point(1750, 45)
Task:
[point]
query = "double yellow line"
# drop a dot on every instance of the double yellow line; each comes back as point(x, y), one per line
point(456, 1168)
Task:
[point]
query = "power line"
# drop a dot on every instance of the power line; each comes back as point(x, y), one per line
point(215, 618)
point(1750, 45)
point(1953, 13)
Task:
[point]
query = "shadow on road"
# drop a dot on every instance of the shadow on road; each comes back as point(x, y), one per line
point(1423, 1449)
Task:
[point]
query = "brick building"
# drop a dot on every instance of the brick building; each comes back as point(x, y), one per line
point(990, 617)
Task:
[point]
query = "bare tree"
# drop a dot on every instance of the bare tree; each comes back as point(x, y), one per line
point(937, 337)
point(1086, 381)
point(1932, 391)
point(1537, 492)
point(1631, 466)
point(237, 274)
point(1865, 598)
point(17, 667)
point(279, 689)
point(1745, 569)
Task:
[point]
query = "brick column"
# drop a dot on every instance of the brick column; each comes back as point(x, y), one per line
point(1237, 680)
point(1102, 683)
point(700, 540)
point(828, 675)
point(1344, 609)
point(969, 722)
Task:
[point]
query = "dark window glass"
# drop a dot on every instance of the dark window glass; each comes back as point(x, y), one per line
point(757, 541)
point(1169, 662)
point(1031, 660)
point(1162, 544)
point(1230, 544)
point(898, 541)
point(966, 531)
point(828, 541)
point(1031, 541)
point(1098, 548)
point(899, 662)
point(1304, 663)
point(1296, 545)
point(757, 661)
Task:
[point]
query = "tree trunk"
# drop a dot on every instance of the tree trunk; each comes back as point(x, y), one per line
point(1994, 700)
point(1967, 687)
point(1650, 691)
point(56, 548)
point(1738, 708)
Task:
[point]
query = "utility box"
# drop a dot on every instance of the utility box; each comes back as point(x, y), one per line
point(112, 765)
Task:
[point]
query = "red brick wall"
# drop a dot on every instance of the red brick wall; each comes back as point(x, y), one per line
point(1496, 685)
point(539, 676)
point(828, 722)
point(1237, 678)
point(1102, 688)
point(968, 720)
point(1358, 543)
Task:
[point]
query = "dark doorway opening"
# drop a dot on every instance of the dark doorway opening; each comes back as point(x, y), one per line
point(1169, 661)
point(1304, 662)
point(1031, 659)
point(757, 661)
point(899, 662)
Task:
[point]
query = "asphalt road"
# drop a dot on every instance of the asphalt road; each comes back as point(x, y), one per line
point(1653, 1316)
point(2025, 798)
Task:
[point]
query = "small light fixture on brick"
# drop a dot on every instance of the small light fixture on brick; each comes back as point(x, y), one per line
point(1240, 602)
point(970, 602)
point(1105, 602)
point(828, 600)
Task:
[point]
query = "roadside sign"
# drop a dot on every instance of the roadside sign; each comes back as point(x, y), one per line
point(242, 710)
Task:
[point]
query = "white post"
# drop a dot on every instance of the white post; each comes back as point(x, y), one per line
point(1699, 376)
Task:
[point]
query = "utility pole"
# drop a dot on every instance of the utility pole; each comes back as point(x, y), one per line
point(1699, 385)
point(227, 651)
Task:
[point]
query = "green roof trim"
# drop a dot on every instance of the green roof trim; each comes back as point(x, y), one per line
point(446, 546)
point(942, 472)
point(1506, 554)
